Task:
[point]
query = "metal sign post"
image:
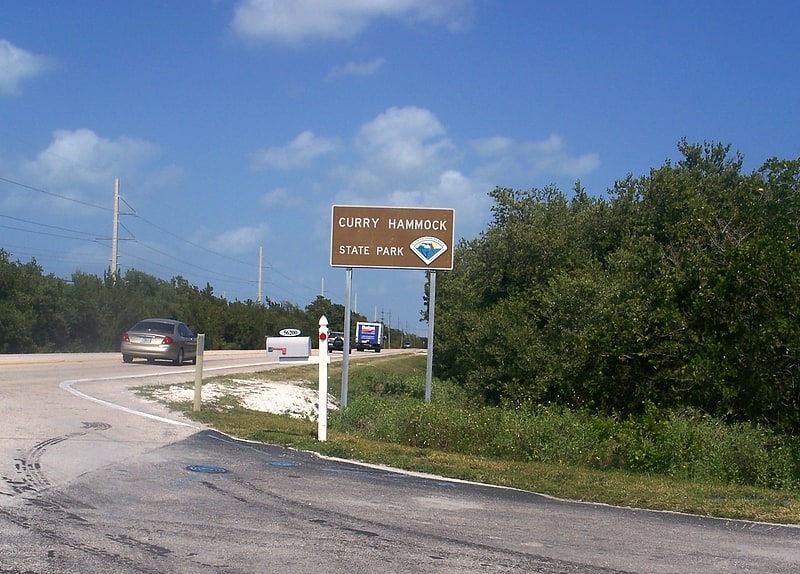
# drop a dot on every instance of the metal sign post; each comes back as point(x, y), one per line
point(431, 312)
point(346, 349)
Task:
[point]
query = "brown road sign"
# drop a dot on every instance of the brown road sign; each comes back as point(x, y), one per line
point(392, 237)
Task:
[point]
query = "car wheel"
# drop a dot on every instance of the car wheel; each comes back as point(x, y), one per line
point(179, 359)
point(127, 359)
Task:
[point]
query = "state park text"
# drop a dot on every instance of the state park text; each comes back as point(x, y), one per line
point(409, 238)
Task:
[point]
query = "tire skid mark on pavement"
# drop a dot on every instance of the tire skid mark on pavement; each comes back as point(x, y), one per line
point(30, 484)
point(30, 478)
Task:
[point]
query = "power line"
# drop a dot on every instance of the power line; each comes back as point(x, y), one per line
point(39, 252)
point(75, 231)
point(197, 245)
point(170, 256)
point(93, 237)
point(51, 194)
point(96, 237)
point(223, 256)
point(44, 233)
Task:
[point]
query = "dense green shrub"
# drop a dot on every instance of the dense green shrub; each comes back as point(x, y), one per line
point(677, 288)
point(681, 444)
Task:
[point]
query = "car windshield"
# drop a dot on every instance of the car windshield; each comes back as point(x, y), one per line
point(153, 327)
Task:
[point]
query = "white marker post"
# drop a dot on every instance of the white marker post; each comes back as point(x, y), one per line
point(322, 418)
point(198, 370)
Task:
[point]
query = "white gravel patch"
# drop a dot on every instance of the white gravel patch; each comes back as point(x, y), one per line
point(278, 397)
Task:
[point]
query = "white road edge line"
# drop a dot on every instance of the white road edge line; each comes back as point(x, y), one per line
point(68, 386)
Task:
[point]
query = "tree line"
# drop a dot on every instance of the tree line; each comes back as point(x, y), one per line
point(679, 289)
point(42, 313)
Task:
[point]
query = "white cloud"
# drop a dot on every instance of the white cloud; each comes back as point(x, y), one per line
point(280, 197)
point(17, 65)
point(493, 146)
point(83, 157)
point(448, 188)
point(406, 143)
point(551, 146)
point(82, 166)
point(239, 241)
point(302, 150)
point(581, 165)
point(294, 21)
point(408, 159)
point(357, 69)
point(454, 184)
point(74, 175)
point(508, 161)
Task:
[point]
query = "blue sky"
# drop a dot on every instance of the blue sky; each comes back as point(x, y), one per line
point(237, 124)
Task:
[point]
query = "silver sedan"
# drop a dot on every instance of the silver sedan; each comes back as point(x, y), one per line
point(153, 339)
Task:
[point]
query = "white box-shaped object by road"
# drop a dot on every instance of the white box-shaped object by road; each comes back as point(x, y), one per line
point(289, 349)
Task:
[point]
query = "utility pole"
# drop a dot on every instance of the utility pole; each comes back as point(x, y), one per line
point(260, 266)
point(115, 234)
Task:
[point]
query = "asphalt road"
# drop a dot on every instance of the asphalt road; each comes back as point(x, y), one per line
point(95, 480)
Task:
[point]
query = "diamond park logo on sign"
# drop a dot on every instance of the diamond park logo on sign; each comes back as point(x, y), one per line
point(392, 237)
point(428, 248)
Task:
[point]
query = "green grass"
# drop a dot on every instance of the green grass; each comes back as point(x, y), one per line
point(683, 462)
